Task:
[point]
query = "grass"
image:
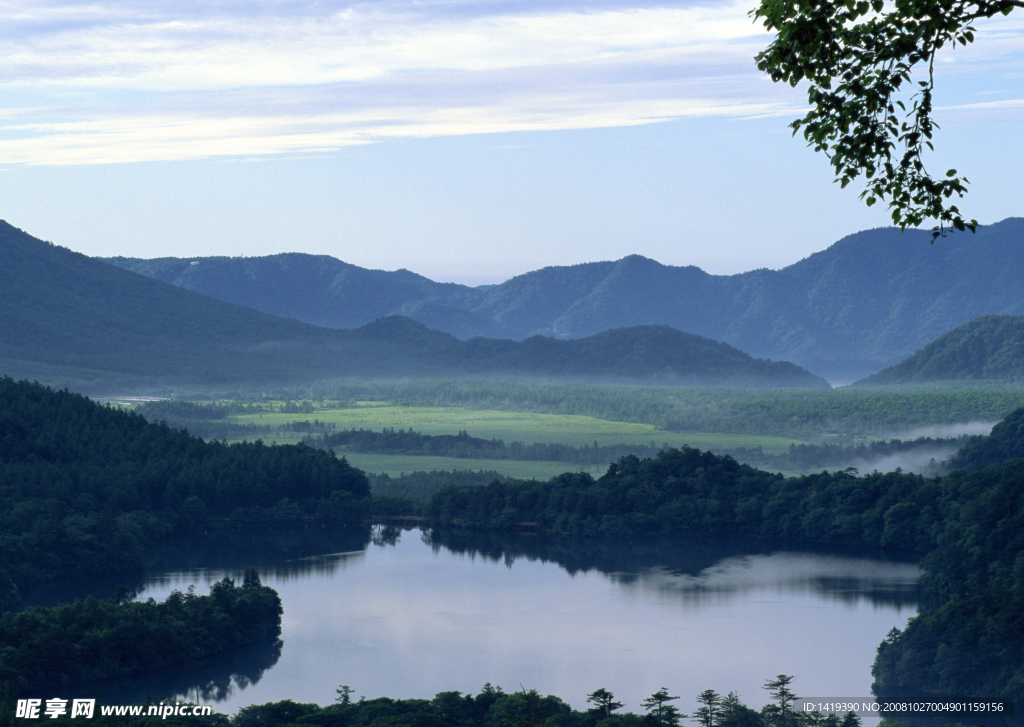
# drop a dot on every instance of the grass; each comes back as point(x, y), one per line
point(510, 426)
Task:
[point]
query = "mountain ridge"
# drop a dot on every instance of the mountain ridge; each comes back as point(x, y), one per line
point(866, 302)
point(63, 314)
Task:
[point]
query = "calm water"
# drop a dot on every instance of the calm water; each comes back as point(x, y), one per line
point(410, 615)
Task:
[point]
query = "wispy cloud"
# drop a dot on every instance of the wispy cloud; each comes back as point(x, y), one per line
point(132, 81)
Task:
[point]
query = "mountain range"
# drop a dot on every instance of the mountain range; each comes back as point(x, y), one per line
point(67, 318)
point(865, 303)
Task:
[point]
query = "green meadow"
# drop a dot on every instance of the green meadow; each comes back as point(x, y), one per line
point(510, 426)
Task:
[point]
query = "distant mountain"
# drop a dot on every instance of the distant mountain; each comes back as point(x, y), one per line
point(64, 315)
point(640, 352)
point(985, 348)
point(68, 318)
point(314, 289)
point(865, 303)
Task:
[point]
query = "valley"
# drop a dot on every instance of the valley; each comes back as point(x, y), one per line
point(669, 467)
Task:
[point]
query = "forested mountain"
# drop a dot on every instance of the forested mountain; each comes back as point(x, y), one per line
point(69, 318)
point(985, 348)
point(868, 301)
point(85, 488)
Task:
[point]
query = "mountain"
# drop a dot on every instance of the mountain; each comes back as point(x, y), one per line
point(314, 289)
point(67, 318)
point(866, 302)
point(985, 348)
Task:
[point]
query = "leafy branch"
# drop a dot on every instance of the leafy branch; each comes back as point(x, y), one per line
point(858, 57)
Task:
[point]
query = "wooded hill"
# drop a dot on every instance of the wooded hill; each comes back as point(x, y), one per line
point(867, 302)
point(84, 488)
point(985, 348)
point(69, 319)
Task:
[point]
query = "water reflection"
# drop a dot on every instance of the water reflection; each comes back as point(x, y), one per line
point(278, 552)
point(209, 680)
point(698, 571)
point(369, 608)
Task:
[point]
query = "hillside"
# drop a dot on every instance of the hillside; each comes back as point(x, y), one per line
point(66, 316)
point(1006, 442)
point(314, 289)
point(985, 348)
point(641, 352)
point(866, 302)
point(69, 319)
point(84, 488)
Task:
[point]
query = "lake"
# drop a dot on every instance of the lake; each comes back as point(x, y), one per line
point(410, 614)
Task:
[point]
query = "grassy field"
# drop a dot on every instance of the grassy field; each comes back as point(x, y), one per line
point(510, 426)
point(859, 412)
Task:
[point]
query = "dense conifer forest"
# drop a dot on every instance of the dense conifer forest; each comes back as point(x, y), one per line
point(688, 491)
point(100, 639)
point(85, 488)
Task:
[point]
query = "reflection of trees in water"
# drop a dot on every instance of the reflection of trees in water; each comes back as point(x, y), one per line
point(698, 569)
point(383, 535)
point(280, 551)
point(282, 548)
point(211, 680)
point(622, 560)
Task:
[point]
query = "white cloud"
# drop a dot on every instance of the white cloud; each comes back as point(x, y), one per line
point(119, 81)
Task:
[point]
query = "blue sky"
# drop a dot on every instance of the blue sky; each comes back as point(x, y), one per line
point(468, 140)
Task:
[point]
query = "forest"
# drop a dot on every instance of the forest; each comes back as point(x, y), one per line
point(92, 639)
point(85, 488)
point(987, 347)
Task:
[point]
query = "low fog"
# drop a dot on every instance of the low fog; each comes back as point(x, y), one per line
point(925, 461)
point(948, 430)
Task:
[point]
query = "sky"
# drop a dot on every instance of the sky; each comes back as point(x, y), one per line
point(466, 140)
